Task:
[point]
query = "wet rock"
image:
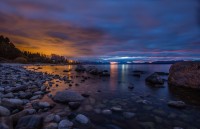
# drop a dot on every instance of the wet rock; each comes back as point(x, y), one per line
point(51, 126)
point(36, 97)
point(41, 105)
point(30, 111)
point(57, 118)
point(107, 112)
point(49, 118)
point(74, 105)
point(4, 111)
point(13, 103)
point(65, 124)
point(30, 122)
point(17, 89)
point(6, 123)
point(25, 95)
point(67, 96)
point(128, 115)
point(154, 79)
point(116, 109)
point(185, 74)
point(177, 104)
point(143, 101)
point(8, 95)
point(2, 89)
point(82, 119)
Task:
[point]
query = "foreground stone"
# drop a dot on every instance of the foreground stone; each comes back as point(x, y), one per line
point(30, 122)
point(4, 111)
point(82, 119)
point(65, 124)
point(185, 74)
point(67, 96)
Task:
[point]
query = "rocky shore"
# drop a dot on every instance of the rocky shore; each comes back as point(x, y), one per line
point(24, 103)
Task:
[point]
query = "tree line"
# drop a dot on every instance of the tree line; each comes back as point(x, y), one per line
point(8, 51)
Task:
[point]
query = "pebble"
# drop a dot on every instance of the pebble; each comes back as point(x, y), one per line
point(65, 124)
point(82, 119)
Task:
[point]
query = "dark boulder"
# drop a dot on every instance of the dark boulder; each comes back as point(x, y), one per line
point(185, 74)
point(67, 96)
point(154, 79)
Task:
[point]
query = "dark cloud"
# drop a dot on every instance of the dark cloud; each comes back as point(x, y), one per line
point(104, 28)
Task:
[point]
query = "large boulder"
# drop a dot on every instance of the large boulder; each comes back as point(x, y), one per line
point(185, 74)
point(67, 96)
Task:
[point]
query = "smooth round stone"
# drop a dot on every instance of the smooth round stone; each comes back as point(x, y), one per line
point(30, 111)
point(177, 104)
point(64, 124)
point(57, 118)
point(107, 112)
point(82, 119)
point(44, 105)
point(116, 109)
point(4, 111)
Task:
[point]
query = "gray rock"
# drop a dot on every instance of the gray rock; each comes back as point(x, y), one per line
point(17, 89)
point(154, 79)
point(30, 122)
point(4, 111)
point(57, 118)
point(65, 124)
point(107, 112)
point(2, 89)
point(116, 109)
point(30, 111)
point(49, 118)
point(67, 96)
point(25, 95)
point(36, 97)
point(13, 103)
point(177, 104)
point(8, 95)
point(82, 119)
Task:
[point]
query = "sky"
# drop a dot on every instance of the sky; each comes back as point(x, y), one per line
point(105, 29)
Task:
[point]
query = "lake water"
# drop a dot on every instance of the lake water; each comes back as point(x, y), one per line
point(154, 113)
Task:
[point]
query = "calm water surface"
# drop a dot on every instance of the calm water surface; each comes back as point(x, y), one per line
point(114, 92)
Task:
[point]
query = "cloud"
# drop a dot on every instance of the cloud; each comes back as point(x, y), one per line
point(103, 28)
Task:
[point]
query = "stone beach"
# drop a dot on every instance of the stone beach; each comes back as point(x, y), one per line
point(32, 97)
